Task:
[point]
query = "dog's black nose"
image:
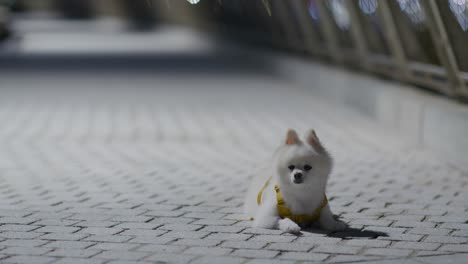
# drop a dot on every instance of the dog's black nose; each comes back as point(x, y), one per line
point(297, 176)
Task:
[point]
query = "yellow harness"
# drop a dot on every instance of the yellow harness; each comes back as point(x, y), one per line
point(285, 212)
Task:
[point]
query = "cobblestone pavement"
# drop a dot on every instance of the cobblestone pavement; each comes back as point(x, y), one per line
point(133, 167)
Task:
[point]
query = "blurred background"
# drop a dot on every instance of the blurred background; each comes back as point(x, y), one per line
point(419, 42)
point(84, 47)
point(127, 123)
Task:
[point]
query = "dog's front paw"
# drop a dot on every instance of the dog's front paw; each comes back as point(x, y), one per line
point(335, 225)
point(287, 225)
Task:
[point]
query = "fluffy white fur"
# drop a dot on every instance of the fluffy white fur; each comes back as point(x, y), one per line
point(302, 194)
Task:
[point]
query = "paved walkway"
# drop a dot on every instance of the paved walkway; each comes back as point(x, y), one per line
point(132, 166)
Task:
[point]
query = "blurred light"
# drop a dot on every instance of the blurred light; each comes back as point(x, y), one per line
point(340, 13)
point(193, 2)
point(266, 4)
point(413, 9)
point(313, 11)
point(368, 6)
point(460, 10)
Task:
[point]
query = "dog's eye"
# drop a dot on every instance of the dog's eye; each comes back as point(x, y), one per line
point(291, 167)
point(307, 167)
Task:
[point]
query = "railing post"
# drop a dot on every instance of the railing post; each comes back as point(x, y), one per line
point(329, 32)
point(394, 40)
point(358, 35)
point(444, 49)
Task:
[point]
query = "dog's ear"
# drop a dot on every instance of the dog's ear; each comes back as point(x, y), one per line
point(292, 138)
point(314, 141)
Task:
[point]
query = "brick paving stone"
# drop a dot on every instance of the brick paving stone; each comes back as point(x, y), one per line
point(131, 218)
point(171, 258)
point(100, 231)
point(405, 223)
point(188, 234)
point(446, 239)
point(25, 251)
point(207, 251)
point(162, 248)
point(114, 246)
point(78, 253)
point(429, 231)
point(18, 220)
point(219, 259)
point(18, 228)
point(180, 227)
point(431, 253)
point(57, 229)
point(270, 261)
point(336, 249)
point(367, 243)
point(304, 256)
point(23, 243)
point(152, 240)
point(172, 220)
point(78, 261)
point(454, 226)
point(69, 244)
point(262, 231)
point(462, 233)
point(387, 252)
point(214, 222)
point(95, 223)
point(19, 235)
point(350, 258)
point(57, 236)
point(401, 237)
point(318, 240)
point(142, 232)
point(244, 244)
point(370, 222)
point(29, 260)
point(223, 229)
point(455, 248)
point(416, 245)
point(272, 238)
point(108, 238)
point(87, 171)
point(290, 247)
point(255, 253)
point(197, 242)
point(229, 236)
point(56, 222)
point(136, 225)
point(122, 255)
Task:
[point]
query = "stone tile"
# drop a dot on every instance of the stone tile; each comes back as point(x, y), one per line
point(255, 253)
point(29, 260)
point(244, 244)
point(208, 251)
point(336, 249)
point(388, 252)
point(219, 259)
point(416, 245)
point(122, 255)
point(290, 247)
point(76, 253)
point(171, 258)
point(304, 256)
point(446, 239)
point(455, 248)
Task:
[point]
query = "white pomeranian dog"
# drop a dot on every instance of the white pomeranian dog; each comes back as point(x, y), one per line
point(290, 194)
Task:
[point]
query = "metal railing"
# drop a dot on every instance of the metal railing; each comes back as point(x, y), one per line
point(423, 42)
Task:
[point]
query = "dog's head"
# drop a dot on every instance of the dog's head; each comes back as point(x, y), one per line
point(301, 163)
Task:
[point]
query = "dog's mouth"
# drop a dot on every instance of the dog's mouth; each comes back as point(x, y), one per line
point(297, 181)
